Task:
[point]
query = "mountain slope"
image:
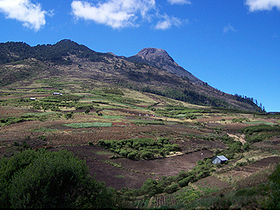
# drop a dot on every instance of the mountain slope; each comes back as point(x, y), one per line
point(68, 61)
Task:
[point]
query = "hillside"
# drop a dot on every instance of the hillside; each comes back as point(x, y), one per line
point(103, 132)
point(151, 70)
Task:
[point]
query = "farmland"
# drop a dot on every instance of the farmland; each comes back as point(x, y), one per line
point(155, 151)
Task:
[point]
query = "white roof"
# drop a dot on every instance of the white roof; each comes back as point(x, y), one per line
point(222, 158)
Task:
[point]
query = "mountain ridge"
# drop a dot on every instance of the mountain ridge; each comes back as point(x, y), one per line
point(157, 74)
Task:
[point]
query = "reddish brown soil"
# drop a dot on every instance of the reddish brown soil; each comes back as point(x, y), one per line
point(132, 174)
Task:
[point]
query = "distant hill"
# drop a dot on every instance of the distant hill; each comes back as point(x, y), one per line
point(151, 70)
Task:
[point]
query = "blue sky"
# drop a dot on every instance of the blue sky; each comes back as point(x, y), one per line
point(232, 45)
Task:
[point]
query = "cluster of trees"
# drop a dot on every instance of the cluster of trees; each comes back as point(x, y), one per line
point(250, 100)
point(140, 149)
point(57, 53)
point(51, 180)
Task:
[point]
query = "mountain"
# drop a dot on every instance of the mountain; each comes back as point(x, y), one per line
point(161, 59)
point(78, 67)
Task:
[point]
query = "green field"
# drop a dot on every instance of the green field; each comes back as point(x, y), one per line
point(88, 125)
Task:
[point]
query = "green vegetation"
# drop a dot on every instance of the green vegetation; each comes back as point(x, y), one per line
point(261, 122)
point(114, 95)
point(148, 122)
point(55, 102)
point(88, 125)
point(180, 112)
point(114, 164)
point(234, 147)
point(186, 95)
point(240, 120)
point(274, 202)
point(50, 180)
point(140, 149)
point(28, 117)
point(260, 132)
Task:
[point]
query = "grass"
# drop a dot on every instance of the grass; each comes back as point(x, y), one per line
point(260, 122)
point(88, 125)
point(119, 176)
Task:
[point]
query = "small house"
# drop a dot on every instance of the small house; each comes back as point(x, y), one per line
point(56, 93)
point(219, 159)
point(33, 99)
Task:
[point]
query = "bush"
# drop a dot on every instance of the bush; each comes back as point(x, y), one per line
point(274, 201)
point(141, 148)
point(147, 155)
point(133, 155)
point(50, 180)
point(171, 188)
point(184, 182)
point(69, 115)
point(150, 187)
point(123, 152)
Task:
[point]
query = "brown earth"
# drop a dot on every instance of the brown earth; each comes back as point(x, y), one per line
point(132, 174)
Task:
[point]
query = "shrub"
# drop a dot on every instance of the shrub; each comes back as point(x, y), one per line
point(182, 175)
point(69, 115)
point(171, 188)
point(141, 148)
point(147, 155)
point(150, 187)
point(50, 180)
point(123, 152)
point(184, 182)
point(133, 155)
point(274, 201)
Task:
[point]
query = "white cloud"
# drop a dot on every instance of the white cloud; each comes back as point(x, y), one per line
point(179, 2)
point(167, 22)
point(260, 5)
point(113, 13)
point(229, 28)
point(25, 11)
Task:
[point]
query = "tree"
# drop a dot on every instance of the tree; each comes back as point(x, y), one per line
point(274, 201)
point(50, 180)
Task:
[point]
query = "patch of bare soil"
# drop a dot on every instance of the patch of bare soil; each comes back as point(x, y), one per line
point(168, 166)
point(122, 172)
